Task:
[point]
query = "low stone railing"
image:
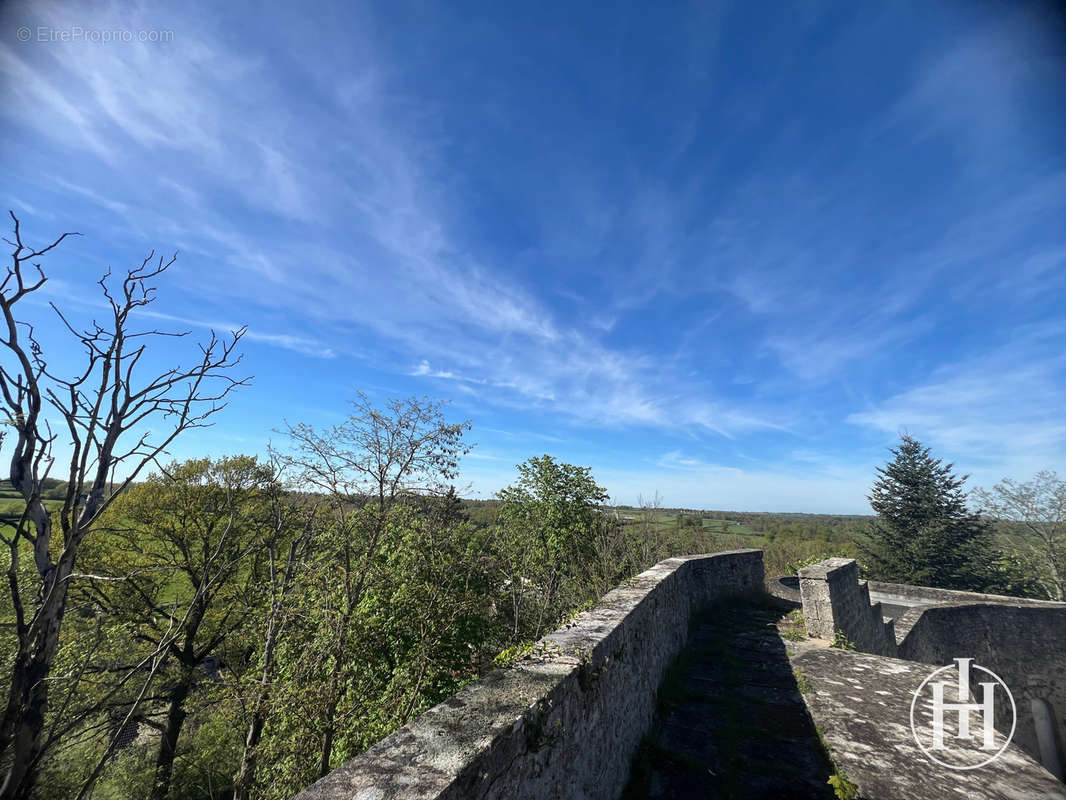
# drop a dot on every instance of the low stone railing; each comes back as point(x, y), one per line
point(566, 720)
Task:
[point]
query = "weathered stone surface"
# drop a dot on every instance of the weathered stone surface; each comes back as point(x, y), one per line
point(928, 595)
point(1022, 641)
point(862, 704)
point(834, 599)
point(1023, 644)
point(785, 587)
point(563, 723)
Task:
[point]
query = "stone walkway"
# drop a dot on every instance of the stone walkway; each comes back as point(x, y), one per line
point(732, 723)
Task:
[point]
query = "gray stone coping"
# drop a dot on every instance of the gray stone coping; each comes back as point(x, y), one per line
point(904, 594)
point(829, 569)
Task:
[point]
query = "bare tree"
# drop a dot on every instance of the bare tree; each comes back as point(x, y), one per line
point(1040, 507)
point(377, 454)
point(646, 546)
point(106, 409)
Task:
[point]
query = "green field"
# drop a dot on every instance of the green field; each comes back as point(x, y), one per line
point(12, 505)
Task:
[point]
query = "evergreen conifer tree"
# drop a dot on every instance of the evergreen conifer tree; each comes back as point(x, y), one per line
point(924, 534)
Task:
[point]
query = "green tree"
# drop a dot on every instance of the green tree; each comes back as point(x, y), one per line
point(924, 534)
point(181, 563)
point(546, 542)
point(295, 526)
point(427, 607)
point(364, 466)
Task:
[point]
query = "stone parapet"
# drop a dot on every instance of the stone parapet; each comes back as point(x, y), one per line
point(566, 720)
point(834, 599)
point(1023, 641)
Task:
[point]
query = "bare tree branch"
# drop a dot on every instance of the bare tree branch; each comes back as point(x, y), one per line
point(102, 406)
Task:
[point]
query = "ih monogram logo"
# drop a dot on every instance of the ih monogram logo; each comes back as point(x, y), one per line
point(987, 708)
point(965, 750)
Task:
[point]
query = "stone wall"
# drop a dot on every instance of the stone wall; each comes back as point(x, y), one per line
point(1024, 644)
point(834, 599)
point(912, 600)
point(565, 721)
point(862, 703)
point(1022, 641)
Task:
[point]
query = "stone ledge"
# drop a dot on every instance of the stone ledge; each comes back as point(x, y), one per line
point(784, 587)
point(928, 595)
point(829, 569)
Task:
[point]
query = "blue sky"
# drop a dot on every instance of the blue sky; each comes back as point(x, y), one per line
point(723, 251)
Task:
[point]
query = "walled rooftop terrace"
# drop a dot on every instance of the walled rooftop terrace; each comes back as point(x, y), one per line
point(686, 681)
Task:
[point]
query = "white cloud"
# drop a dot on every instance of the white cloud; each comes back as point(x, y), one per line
point(299, 344)
point(999, 413)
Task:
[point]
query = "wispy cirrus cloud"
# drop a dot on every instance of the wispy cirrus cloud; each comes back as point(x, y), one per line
point(998, 411)
point(398, 233)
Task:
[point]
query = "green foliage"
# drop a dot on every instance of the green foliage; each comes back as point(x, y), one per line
point(555, 503)
point(401, 593)
point(843, 788)
point(794, 567)
point(170, 584)
point(1017, 574)
point(130, 775)
point(924, 534)
point(793, 626)
point(547, 531)
point(510, 656)
point(1031, 519)
point(203, 769)
point(802, 683)
point(63, 773)
point(841, 641)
